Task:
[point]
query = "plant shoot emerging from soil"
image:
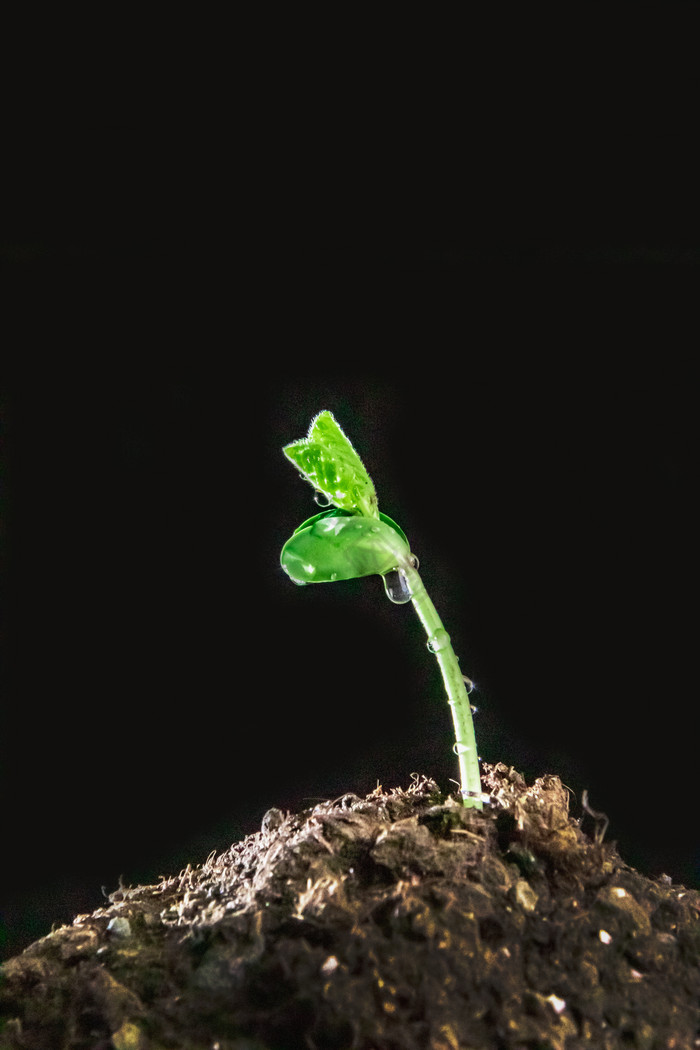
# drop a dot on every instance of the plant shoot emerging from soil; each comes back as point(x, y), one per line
point(354, 539)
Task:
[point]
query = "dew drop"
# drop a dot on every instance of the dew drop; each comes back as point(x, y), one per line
point(322, 499)
point(438, 641)
point(396, 587)
point(469, 684)
point(414, 561)
point(334, 576)
point(460, 749)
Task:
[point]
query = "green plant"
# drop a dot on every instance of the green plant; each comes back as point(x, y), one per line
point(356, 539)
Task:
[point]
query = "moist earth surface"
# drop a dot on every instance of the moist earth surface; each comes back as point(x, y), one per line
point(399, 921)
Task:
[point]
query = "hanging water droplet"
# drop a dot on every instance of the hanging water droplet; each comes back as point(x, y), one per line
point(322, 499)
point(460, 749)
point(414, 561)
point(474, 709)
point(469, 684)
point(396, 587)
point(439, 640)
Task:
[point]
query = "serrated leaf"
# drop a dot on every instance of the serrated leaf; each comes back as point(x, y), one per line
point(328, 461)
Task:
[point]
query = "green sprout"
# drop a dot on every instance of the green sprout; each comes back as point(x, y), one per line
point(355, 539)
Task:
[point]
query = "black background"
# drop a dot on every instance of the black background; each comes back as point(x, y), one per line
point(167, 683)
point(496, 299)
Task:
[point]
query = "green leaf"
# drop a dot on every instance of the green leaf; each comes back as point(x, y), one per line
point(339, 513)
point(328, 461)
point(343, 547)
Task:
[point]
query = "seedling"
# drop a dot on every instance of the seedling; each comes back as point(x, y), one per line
point(352, 539)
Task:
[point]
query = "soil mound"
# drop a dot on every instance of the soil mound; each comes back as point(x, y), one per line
point(401, 921)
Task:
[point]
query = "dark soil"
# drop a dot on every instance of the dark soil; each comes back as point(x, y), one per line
point(395, 922)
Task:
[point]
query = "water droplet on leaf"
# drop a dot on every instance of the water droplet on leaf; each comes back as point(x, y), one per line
point(460, 749)
point(322, 499)
point(396, 587)
point(439, 640)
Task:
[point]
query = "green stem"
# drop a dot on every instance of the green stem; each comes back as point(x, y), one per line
point(457, 696)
